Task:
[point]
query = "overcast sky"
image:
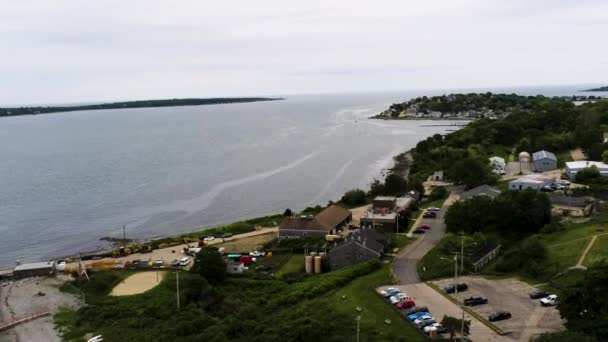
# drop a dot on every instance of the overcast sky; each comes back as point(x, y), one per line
point(70, 51)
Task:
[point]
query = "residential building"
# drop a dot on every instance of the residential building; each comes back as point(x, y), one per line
point(498, 163)
point(571, 206)
point(484, 255)
point(353, 249)
point(384, 202)
point(482, 190)
point(573, 167)
point(327, 222)
point(531, 182)
point(544, 161)
point(35, 269)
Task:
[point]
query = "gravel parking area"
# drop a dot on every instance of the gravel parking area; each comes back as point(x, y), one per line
point(528, 319)
point(439, 306)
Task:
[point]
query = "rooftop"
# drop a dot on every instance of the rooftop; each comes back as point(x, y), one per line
point(498, 159)
point(536, 179)
point(384, 198)
point(569, 201)
point(34, 266)
point(543, 155)
point(485, 190)
point(581, 164)
point(332, 216)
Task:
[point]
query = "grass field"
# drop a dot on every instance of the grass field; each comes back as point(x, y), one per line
point(360, 293)
point(294, 264)
point(598, 252)
point(400, 240)
point(432, 265)
point(248, 244)
point(567, 253)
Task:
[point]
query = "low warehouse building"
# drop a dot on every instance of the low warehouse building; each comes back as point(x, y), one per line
point(573, 167)
point(570, 206)
point(544, 161)
point(35, 269)
point(536, 182)
point(482, 190)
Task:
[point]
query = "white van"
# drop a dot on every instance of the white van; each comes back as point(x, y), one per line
point(184, 261)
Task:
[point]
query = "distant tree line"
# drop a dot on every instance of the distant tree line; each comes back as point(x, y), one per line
point(130, 104)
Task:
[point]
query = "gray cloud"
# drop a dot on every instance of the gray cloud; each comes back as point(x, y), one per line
point(73, 51)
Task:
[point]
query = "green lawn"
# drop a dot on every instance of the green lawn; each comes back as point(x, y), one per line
point(598, 252)
point(360, 293)
point(432, 266)
point(399, 241)
point(567, 253)
point(563, 157)
point(294, 264)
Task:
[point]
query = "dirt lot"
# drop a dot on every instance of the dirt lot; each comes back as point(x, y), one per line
point(138, 283)
point(248, 244)
point(439, 306)
point(25, 297)
point(529, 318)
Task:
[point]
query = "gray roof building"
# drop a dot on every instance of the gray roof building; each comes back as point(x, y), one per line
point(355, 248)
point(482, 190)
point(34, 269)
point(544, 161)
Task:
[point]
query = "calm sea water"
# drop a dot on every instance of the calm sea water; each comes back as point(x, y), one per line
point(67, 179)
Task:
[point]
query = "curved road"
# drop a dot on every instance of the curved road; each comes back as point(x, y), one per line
point(404, 264)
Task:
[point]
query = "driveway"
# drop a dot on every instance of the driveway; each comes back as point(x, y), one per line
point(404, 264)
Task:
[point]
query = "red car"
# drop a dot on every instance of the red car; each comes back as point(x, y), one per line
point(424, 226)
point(405, 304)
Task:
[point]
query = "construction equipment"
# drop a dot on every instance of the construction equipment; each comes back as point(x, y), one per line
point(121, 251)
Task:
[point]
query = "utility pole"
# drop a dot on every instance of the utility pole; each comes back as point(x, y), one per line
point(455, 273)
point(461, 252)
point(358, 325)
point(124, 236)
point(177, 286)
point(462, 326)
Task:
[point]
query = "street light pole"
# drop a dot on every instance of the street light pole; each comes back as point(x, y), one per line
point(358, 325)
point(455, 273)
point(177, 287)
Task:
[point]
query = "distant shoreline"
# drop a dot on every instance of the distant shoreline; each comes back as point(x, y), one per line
point(17, 111)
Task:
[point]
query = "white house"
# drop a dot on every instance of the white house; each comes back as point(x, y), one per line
point(498, 163)
point(531, 182)
point(573, 167)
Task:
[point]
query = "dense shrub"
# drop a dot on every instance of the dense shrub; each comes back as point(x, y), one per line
point(354, 197)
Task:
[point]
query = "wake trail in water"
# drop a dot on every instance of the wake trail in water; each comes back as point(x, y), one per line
point(331, 183)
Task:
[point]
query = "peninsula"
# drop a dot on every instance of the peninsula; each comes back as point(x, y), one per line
point(5, 111)
point(604, 88)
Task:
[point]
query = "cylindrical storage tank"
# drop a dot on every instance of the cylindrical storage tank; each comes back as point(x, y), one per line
point(308, 264)
point(317, 264)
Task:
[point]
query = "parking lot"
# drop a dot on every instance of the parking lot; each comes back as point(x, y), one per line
point(528, 319)
point(439, 306)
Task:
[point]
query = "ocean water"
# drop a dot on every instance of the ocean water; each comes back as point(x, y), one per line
point(68, 179)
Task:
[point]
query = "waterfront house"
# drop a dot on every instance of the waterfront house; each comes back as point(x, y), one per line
point(327, 222)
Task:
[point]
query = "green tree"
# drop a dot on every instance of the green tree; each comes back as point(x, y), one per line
point(354, 197)
point(453, 325)
point(587, 174)
point(287, 212)
point(438, 192)
point(210, 264)
point(605, 156)
point(376, 188)
point(395, 185)
point(565, 336)
point(472, 172)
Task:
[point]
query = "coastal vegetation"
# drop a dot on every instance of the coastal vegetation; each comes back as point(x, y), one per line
point(604, 88)
point(321, 307)
point(30, 110)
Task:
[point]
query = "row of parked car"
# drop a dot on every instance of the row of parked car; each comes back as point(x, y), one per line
point(477, 300)
point(419, 315)
point(545, 298)
point(558, 185)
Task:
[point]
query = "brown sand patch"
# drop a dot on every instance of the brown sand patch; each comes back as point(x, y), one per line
point(138, 283)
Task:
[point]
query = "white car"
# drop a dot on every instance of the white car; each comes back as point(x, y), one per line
point(563, 182)
point(389, 290)
point(550, 300)
point(209, 238)
point(398, 297)
point(184, 261)
point(422, 318)
point(433, 327)
point(433, 209)
point(257, 253)
point(159, 262)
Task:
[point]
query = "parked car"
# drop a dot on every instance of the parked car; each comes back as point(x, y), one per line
point(538, 294)
point(391, 293)
point(398, 298)
point(440, 329)
point(424, 226)
point(547, 188)
point(389, 290)
point(472, 301)
point(425, 323)
point(226, 235)
point(184, 261)
point(422, 318)
point(550, 300)
point(563, 182)
point(209, 238)
point(415, 316)
point(430, 214)
point(433, 209)
point(499, 316)
point(257, 253)
point(159, 262)
point(175, 262)
point(416, 309)
point(405, 304)
point(419, 231)
point(452, 288)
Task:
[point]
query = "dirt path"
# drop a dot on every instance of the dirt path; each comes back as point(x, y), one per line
point(579, 264)
point(578, 154)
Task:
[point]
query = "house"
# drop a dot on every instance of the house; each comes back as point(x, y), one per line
point(327, 222)
point(531, 182)
point(573, 167)
point(482, 190)
point(384, 202)
point(354, 249)
point(381, 220)
point(570, 206)
point(498, 163)
point(35, 269)
point(544, 161)
point(234, 267)
point(437, 176)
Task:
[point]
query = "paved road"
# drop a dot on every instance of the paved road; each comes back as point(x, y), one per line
point(404, 264)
